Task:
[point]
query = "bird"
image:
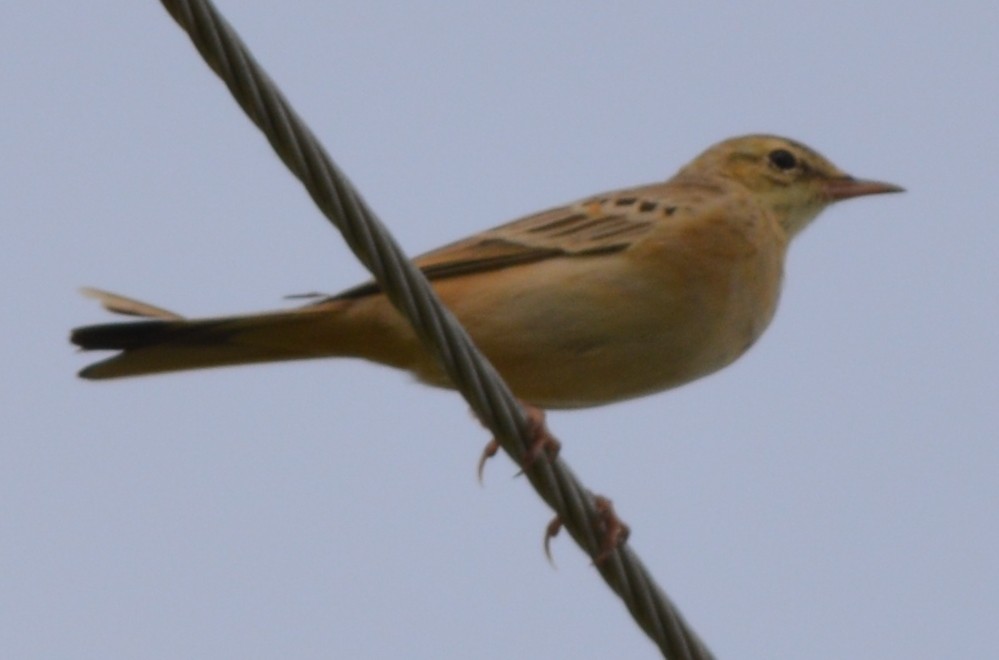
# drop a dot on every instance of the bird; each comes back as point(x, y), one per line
point(615, 296)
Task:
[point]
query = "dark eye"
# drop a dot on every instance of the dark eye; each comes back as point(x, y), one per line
point(783, 159)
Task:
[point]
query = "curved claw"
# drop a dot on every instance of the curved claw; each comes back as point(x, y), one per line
point(490, 450)
point(551, 531)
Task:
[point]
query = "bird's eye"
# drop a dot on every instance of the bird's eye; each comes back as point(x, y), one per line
point(783, 159)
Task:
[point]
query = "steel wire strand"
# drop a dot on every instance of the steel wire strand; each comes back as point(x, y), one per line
point(409, 291)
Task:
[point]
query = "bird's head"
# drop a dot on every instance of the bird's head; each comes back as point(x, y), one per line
point(790, 179)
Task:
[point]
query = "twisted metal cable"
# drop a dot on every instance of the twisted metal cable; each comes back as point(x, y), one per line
point(409, 291)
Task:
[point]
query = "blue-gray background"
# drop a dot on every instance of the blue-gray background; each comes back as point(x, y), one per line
point(831, 495)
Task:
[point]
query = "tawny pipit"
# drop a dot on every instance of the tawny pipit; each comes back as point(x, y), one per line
point(612, 297)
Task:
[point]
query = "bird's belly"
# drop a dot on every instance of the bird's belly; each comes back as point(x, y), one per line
point(594, 366)
point(600, 336)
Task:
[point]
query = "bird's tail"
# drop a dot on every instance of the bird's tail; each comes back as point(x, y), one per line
point(166, 342)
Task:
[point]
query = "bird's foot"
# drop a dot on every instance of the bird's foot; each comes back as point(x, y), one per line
point(612, 532)
point(540, 442)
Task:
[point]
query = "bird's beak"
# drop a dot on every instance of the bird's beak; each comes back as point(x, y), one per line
point(846, 187)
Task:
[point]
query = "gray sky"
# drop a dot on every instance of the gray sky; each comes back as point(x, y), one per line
point(831, 495)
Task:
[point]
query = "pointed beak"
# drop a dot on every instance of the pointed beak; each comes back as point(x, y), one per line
point(846, 187)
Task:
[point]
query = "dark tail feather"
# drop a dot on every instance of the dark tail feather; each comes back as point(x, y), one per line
point(125, 336)
point(167, 342)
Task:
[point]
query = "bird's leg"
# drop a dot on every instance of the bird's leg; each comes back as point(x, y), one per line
point(613, 532)
point(540, 438)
